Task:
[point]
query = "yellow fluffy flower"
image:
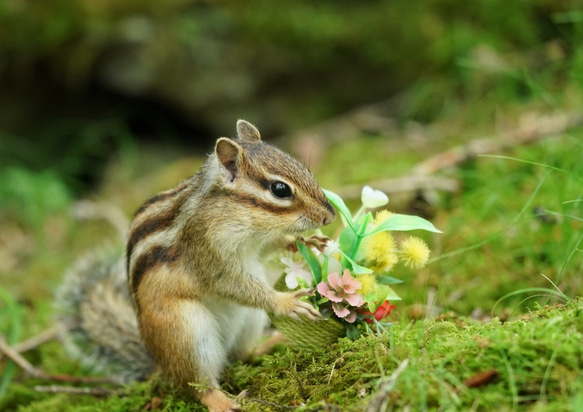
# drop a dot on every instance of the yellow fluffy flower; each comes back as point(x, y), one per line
point(368, 282)
point(415, 252)
point(380, 252)
point(381, 216)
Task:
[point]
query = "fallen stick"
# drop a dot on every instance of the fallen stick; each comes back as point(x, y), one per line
point(25, 365)
point(19, 360)
point(403, 185)
point(531, 127)
point(37, 340)
point(74, 390)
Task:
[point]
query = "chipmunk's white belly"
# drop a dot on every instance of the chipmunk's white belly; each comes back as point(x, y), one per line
point(239, 327)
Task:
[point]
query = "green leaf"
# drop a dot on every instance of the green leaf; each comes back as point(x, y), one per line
point(339, 204)
point(384, 292)
point(311, 260)
point(403, 223)
point(387, 280)
point(356, 268)
point(352, 331)
point(347, 240)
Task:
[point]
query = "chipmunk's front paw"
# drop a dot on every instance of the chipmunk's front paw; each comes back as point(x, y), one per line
point(292, 306)
point(317, 241)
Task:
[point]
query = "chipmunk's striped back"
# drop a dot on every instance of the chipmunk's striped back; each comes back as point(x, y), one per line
point(152, 238)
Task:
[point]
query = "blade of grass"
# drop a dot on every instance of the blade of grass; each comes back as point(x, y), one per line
point(528, 290)
point(511, 380)
point(13, 310)
point(556, 287)
point(557, 169)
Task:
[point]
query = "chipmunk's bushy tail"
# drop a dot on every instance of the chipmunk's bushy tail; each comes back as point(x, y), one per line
point(95, 307)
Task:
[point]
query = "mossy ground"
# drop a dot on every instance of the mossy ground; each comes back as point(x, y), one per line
point(536, 360)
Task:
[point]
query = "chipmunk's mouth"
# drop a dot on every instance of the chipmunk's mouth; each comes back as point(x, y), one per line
point(304, 223)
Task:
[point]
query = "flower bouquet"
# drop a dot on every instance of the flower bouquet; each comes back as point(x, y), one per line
point(352, 275)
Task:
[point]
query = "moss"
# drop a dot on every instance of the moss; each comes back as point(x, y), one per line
point(537, 361)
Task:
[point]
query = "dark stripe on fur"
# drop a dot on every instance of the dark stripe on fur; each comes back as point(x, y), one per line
point(253, 201)
point(159, 197)
point(161, 221)
point(156, 256)
point(148, 227)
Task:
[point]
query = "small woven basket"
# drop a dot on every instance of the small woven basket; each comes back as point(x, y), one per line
point(306, 334)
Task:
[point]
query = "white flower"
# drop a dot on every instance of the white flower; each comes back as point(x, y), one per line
point(334, 265)
point(371, 199)
point(294, 270)
point(332, 248)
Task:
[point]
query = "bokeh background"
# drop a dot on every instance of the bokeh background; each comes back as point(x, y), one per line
point(81, 80)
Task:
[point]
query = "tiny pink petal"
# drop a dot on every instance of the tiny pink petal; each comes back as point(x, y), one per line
point(334, 281)
point(354, 300)
point(340, 310)
point(325, 291)
point(334, 297)
point(350, 285)
point(351, 317)
point(323, 288)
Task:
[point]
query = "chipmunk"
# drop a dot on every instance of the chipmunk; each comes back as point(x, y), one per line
point(192, 292)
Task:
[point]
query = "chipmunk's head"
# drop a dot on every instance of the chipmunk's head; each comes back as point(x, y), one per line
point(271, 190)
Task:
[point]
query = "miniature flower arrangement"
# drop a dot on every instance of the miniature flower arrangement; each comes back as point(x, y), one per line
point(352, 275)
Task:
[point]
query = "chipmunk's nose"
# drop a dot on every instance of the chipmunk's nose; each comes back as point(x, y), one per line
point(329, 218)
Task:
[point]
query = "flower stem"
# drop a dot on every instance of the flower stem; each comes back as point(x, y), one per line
point(359, 237)
point(359, 213)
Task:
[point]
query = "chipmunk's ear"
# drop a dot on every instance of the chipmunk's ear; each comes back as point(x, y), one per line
point(246, 131)
point(230, 157)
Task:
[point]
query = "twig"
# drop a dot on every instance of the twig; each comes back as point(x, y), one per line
point(19, 360)
point(532, 127)
point(386, 388)
point(37, 373)
point(74, 390)
point(35, 341)
point(403, 185)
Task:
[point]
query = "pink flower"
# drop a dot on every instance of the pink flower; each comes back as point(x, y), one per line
point(349, 315)
point(342, 289)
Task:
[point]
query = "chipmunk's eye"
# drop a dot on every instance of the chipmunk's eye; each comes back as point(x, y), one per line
point(280, 189)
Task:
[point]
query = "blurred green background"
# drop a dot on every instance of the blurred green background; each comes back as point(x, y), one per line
point(113, 101)
point(81, 80)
